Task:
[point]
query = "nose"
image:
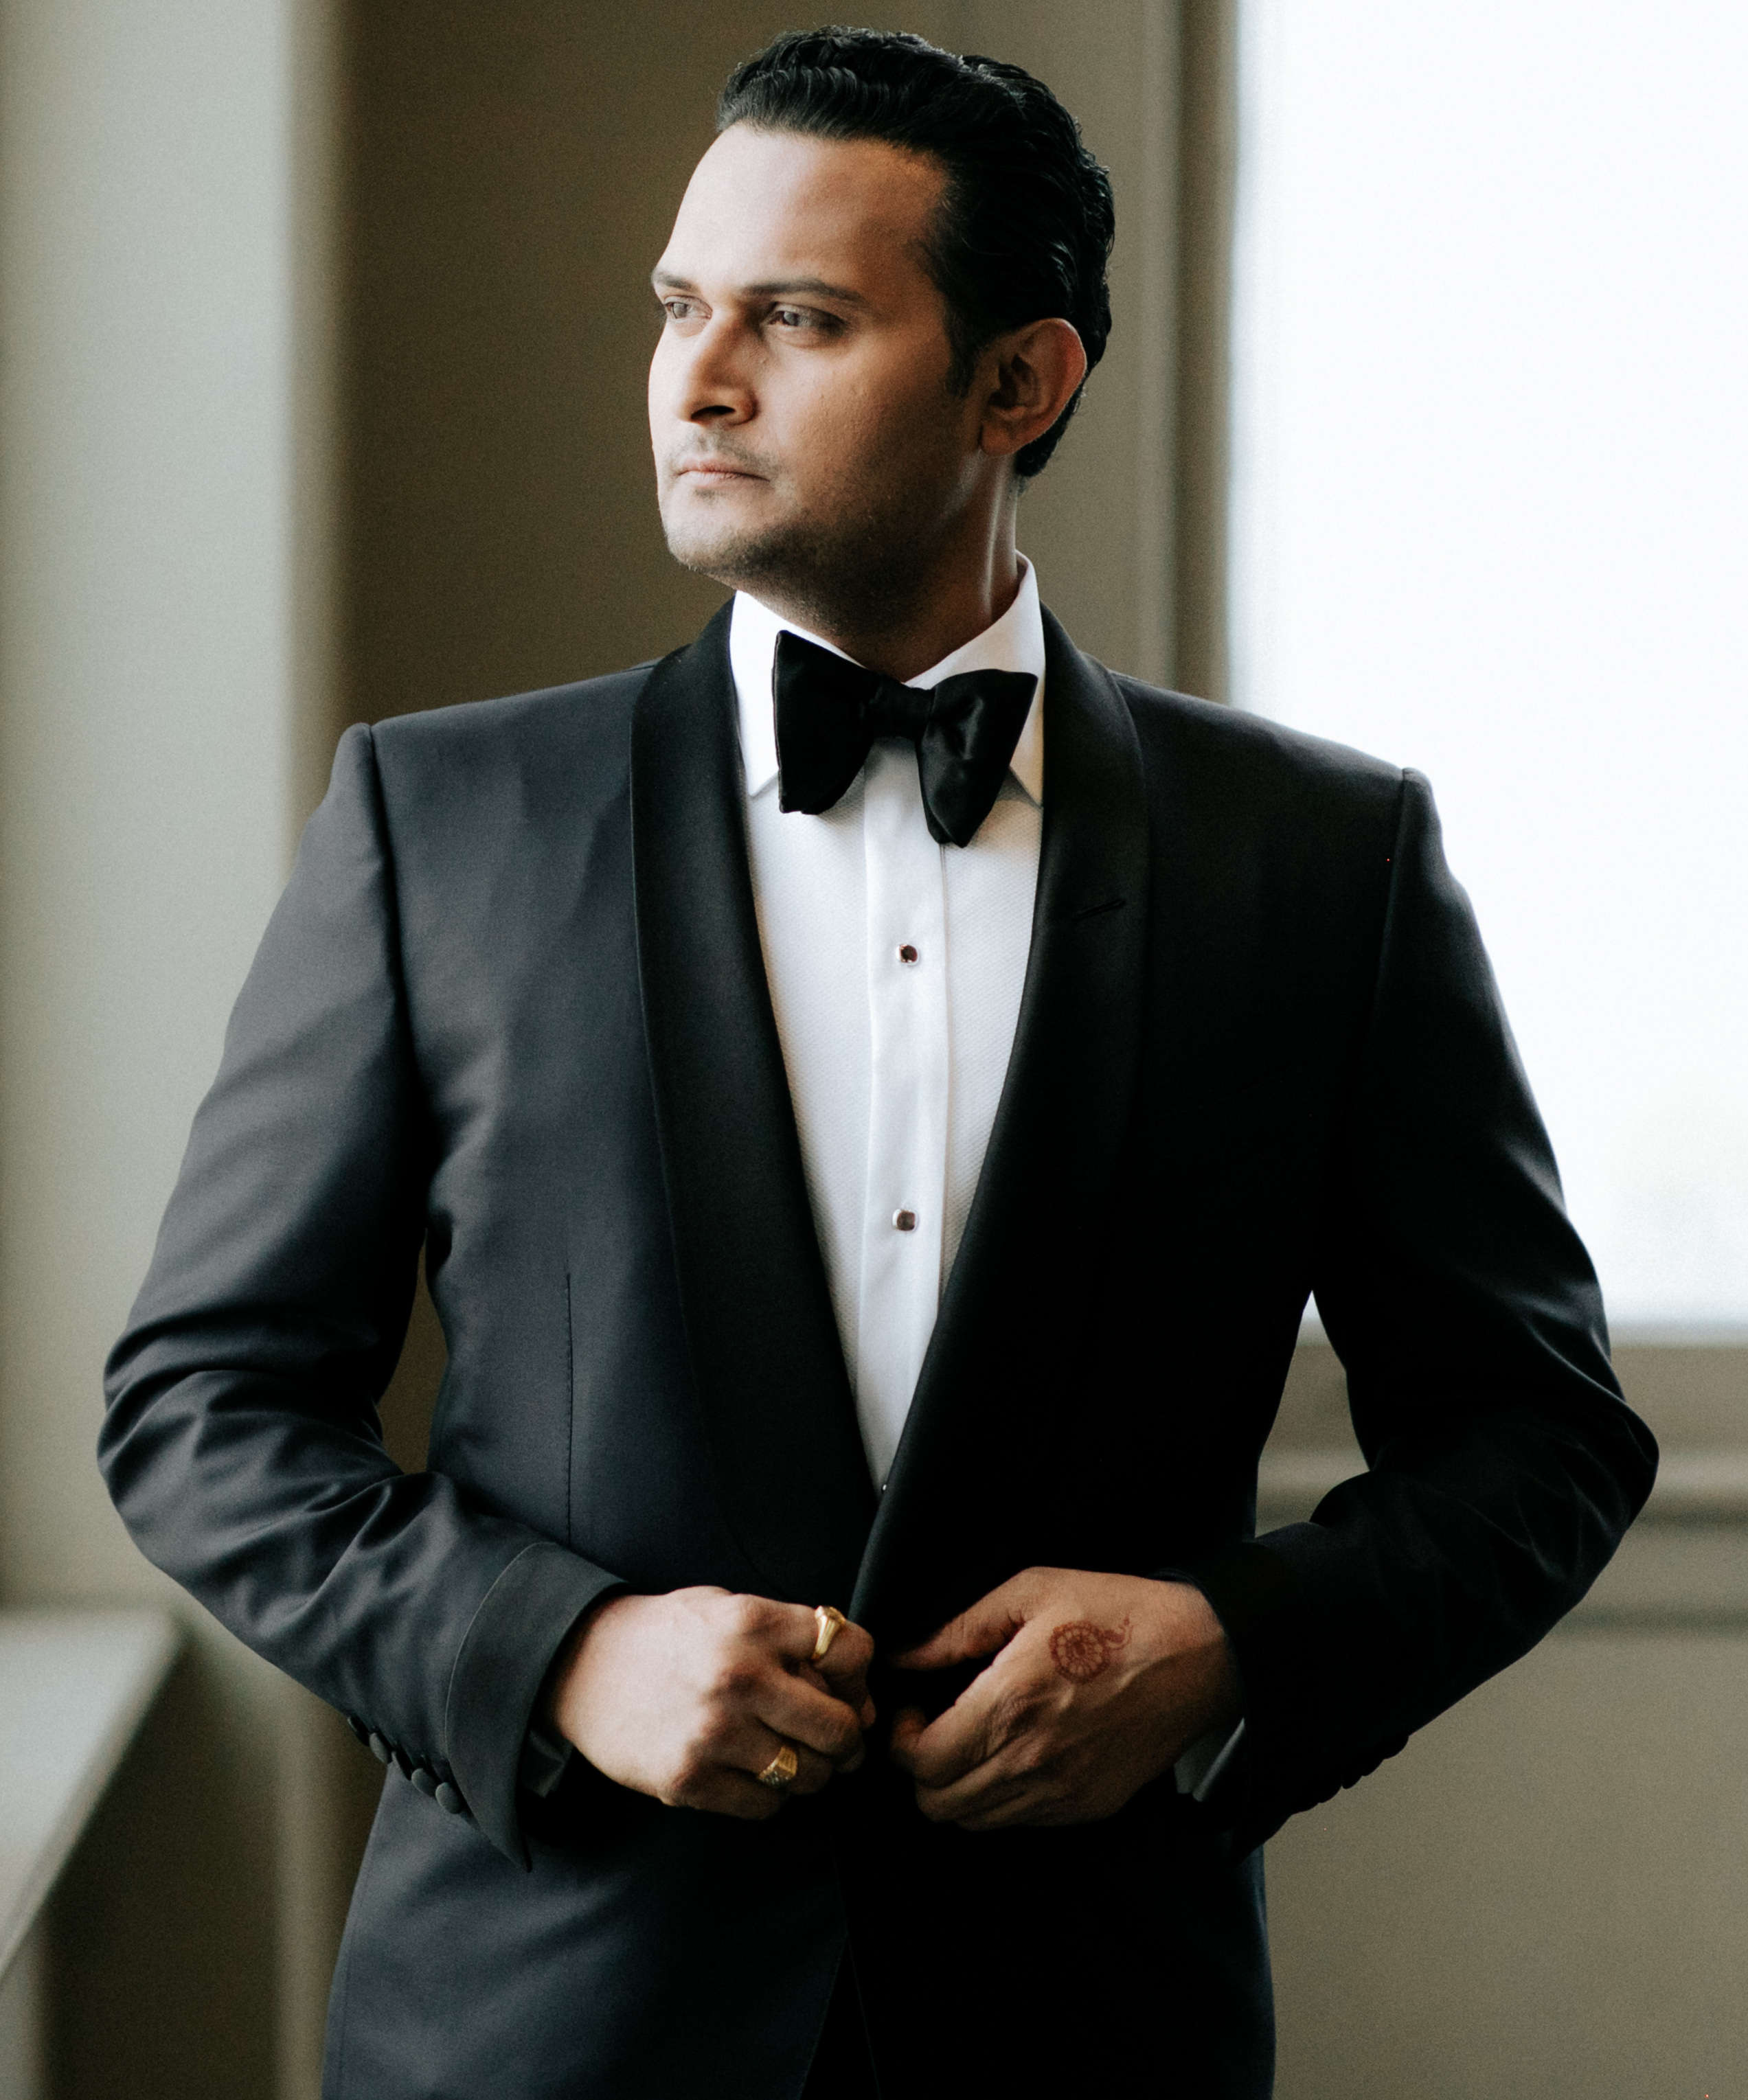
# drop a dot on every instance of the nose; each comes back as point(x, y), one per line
point(710, 380)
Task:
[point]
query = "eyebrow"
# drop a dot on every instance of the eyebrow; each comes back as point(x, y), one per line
point(814, 287)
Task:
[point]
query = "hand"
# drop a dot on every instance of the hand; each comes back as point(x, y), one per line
point(688, 1695)
point(1100, 1683)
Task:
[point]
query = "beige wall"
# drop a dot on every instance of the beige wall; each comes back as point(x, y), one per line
point(161, 555)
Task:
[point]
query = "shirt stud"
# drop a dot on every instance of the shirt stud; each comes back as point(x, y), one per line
point(906, 954)
point(905, 1220)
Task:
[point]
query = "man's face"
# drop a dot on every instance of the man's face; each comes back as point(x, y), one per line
point(805, 434)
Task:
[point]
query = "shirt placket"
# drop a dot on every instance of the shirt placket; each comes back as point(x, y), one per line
point(905, 1206)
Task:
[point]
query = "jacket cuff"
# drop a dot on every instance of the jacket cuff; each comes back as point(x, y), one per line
point(1251, 1593)
point(546, 1758)
point(522, 1622)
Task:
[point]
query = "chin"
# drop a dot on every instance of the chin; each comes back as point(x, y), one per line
point(723, 547)
point(819, 574)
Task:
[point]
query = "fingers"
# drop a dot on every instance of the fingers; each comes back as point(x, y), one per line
point(768, 1693)
point(984, 1718)
point(845, 1668)
point(726, 1793)
point(762, 1745)
point(790, 1630)
point(824, 1703)
point(792, 1633)
point(989, 1808)
point(803, 1714)
point(1007, 1788)
point(722, 1771)
point(988, 1625)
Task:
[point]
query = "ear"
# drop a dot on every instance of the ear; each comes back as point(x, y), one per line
point(1030, 375)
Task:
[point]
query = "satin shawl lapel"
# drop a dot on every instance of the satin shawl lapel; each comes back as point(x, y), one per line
point(1023, 1274)
point(759, 1324)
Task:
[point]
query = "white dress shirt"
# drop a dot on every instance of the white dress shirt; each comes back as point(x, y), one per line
point(895, 968)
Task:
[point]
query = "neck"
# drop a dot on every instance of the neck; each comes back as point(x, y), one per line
point(969, 587)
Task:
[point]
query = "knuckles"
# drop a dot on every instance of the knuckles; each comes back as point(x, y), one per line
point(1030, 1756)
point(683, 1786)
point(745, 1616)
point(1012, 1721)
point(842, 1733)
point(734, 1680)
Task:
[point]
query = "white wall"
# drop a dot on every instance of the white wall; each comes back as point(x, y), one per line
point(161, 404)
point(1540, 1899)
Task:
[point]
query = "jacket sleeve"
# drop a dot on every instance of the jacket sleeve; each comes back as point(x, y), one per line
point(241, 1442)
point(1503, 1465)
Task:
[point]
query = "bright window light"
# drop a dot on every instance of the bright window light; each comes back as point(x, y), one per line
point(1491, 521)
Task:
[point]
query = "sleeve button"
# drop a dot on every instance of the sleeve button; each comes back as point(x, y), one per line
point(448, 1798)
point(378, 1749)
point(358, 1728)
point(424, 1780)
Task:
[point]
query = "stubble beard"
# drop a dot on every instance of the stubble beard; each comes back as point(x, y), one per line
point(858, 570)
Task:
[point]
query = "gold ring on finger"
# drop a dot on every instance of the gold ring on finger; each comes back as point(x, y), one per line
point(831, 1622)
point(780, 1772)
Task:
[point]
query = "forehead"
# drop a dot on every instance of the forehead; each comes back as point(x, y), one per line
point(779, 206)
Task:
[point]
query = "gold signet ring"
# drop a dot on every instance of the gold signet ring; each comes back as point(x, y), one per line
point(831, 1622)
point(780, 1772)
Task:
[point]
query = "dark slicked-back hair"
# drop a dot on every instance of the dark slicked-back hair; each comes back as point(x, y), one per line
point(1026, 225)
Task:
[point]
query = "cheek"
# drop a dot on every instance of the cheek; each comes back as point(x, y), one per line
point(826, 415)
point(878, 428)
point(660, 385)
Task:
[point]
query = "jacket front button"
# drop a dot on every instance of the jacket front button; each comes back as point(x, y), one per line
point(449, 1799)
point(425, 1781)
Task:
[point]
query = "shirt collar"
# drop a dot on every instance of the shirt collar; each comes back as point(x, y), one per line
point(1015, 642)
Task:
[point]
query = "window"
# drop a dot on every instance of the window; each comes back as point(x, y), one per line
point(1491, 521)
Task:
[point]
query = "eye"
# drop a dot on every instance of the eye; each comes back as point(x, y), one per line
point(801, 320)
point(678, 309)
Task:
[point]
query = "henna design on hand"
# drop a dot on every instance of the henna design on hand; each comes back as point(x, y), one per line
point(1080, 1650)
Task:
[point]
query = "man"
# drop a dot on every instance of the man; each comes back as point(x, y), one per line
point(874, 1090)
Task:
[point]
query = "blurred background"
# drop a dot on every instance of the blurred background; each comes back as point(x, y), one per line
point(323, 328)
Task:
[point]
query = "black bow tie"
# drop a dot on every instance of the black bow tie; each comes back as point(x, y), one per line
point(829, 711)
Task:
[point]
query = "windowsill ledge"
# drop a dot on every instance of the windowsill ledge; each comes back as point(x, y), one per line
point(1693, 1487)
point(74, 1688)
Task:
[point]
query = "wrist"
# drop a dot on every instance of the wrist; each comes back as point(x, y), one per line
point(1204, 1689)
point(553, 1706)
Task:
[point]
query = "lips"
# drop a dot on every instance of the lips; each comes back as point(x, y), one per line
point(714, 473)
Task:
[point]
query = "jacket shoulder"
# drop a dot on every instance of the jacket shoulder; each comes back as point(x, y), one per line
point(1220, 757)
point(583, 709)
point(562, 749)
point(1228, 735)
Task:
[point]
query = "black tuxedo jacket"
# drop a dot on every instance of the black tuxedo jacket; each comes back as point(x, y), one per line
point(512, 1009)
